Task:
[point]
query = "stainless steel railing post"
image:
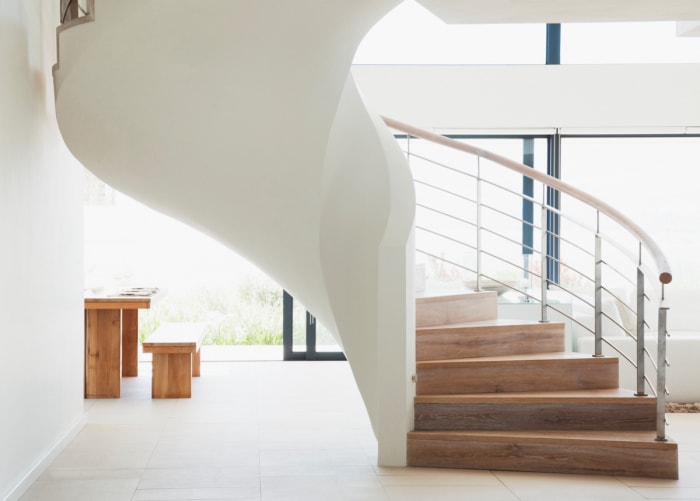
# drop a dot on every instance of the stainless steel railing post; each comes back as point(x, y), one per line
point(661, 374)
point(598, 295)
point(641, 386)
point(543, 254)
point(478, 223)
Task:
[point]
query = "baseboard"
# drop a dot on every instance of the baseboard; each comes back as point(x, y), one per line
point(43, 463)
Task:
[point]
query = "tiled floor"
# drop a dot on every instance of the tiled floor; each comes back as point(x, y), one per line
point(291, 431)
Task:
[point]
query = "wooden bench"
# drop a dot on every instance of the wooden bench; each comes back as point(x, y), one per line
point(176, 358)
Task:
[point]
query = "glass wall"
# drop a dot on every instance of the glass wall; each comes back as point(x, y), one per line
point(626, 43)
point(652, 180)
point(446, 195)
point(410, 34)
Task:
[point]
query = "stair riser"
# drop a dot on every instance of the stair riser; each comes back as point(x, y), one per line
point(455, 309)
point(559, 375)
point(536, 416)
point(572, 458)
point(489, 342)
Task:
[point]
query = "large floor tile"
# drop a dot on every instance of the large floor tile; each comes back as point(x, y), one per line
point(279, 431)
point(436, 476)
point(449, 493)
point(82, 490)
point(546, 487)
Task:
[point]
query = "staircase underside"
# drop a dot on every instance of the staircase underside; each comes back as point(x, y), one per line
point(504, 395)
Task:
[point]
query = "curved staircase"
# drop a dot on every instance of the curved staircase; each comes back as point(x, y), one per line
point(504, 395)
point(327, 210)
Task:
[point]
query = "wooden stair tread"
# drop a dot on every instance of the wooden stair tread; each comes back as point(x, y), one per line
point(499, 394)
point(617, 395)
point(488, 338)
point(632, 439)
point(454, 307)
point(495, 323)
point(619, 453)
point(515, 359)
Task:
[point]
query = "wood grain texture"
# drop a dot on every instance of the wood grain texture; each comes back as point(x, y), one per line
point(619, 453)
point(488, 338)
point(130, 343)
point(116, 303)
point(173, 335)
point(102, 354)
point(129, 306)
point(456, 308)
point(545, 372)
point(176, 358)
point(539, 413)
point(172, 375)
point(503, 395)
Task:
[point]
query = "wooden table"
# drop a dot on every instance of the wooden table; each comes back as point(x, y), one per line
point(111, 341)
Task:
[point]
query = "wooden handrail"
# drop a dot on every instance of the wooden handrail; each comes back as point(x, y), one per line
point(665, 275)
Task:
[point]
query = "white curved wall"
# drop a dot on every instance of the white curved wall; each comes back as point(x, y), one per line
point(242, 121)
point(367, 214)
point(41, 310)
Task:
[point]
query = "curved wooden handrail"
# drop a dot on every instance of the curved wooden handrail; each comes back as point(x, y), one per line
point(664, 270)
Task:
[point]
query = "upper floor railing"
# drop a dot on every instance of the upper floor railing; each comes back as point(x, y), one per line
point(75, 10)
point(469, 230)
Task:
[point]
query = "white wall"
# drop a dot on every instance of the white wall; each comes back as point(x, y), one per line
point(630, 98)
point(41, 331)
point(250, 130)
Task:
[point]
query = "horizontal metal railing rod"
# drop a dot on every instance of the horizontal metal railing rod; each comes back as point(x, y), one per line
point(510, 263)
point(443, 213)
point(618, 234)
point(443, 190)
point(575, 270)
point(620, 352)
point(511, 240)
point(441, 258)
point(618, 273)
point(508, 215)
point(503, 189)
point(440, 164)
point(664, 269)
point(446, 237)
point(607, 238)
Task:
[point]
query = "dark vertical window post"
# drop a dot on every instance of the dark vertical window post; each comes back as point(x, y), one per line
point(528, 191)
point(288, 326)
point(310, 335)
point(553, 168)
point(553, 218)
point(553, 44)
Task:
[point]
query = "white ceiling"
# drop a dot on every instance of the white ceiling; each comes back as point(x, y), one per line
point(562, 11)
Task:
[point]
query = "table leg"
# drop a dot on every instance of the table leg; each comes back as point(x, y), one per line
point(130, 343)
point(102, 354)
